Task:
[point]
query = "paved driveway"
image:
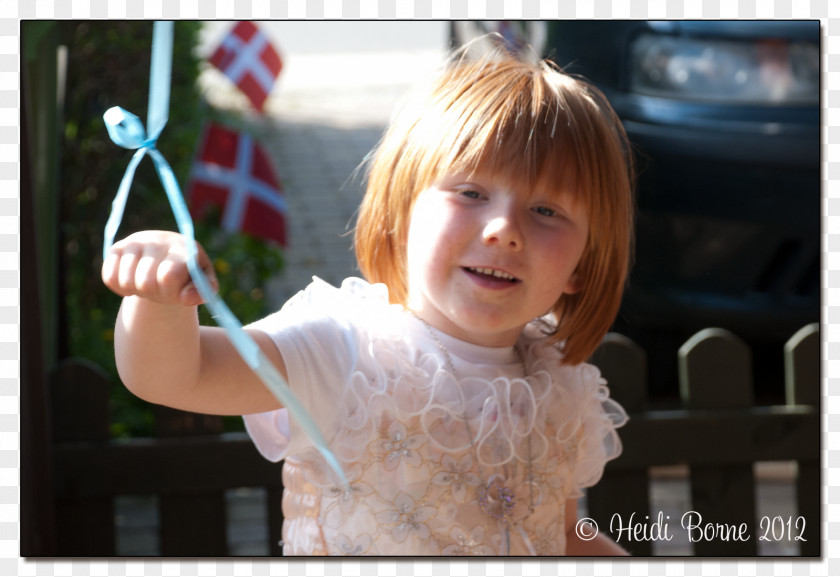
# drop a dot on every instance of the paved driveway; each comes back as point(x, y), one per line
point(333, 100)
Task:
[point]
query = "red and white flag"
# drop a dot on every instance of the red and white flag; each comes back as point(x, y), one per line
point(247, 57)
point(233, 172)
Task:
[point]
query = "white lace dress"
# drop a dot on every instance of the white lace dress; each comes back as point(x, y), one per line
point(401, 424)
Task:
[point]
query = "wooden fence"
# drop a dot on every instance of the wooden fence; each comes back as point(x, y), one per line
point(719, 433)
point(188, 466)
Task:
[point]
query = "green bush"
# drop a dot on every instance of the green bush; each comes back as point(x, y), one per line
point(108, 65)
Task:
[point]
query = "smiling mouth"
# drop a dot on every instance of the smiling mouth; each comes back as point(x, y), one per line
point(492, 273)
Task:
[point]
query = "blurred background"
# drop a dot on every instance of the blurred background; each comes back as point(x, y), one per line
point(723, 118)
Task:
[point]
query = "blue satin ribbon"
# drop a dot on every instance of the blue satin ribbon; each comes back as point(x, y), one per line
point(126, 130)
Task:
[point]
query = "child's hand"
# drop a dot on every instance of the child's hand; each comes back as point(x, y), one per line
point(153, 265)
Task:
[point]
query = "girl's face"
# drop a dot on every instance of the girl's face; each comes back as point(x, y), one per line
point(485, 258)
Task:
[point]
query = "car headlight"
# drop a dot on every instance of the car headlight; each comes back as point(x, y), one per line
point(765, 71)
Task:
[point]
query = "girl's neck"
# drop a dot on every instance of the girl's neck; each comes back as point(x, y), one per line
point(486, 337)
point(464, 350)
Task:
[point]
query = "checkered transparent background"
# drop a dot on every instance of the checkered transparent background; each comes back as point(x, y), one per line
point(10, 563)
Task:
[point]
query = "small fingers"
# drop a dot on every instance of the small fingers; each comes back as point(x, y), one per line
point(146, 272)
point(109, 271)
point(173, 278)
point(126, 267)
point(190, 295)
point(190, 292)
point(153, 265)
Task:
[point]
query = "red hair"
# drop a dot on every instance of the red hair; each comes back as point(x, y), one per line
point(503, 116)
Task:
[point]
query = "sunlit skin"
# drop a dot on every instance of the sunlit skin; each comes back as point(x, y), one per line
point(464, 227)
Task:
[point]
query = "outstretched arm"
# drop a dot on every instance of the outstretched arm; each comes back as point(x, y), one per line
point(163, 355)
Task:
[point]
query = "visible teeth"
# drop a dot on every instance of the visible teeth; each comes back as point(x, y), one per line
point(493, 272)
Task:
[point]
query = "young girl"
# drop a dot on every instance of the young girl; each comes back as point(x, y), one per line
point(496, 230)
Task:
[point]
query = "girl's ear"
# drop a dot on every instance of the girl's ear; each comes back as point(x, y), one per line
point(574, 284)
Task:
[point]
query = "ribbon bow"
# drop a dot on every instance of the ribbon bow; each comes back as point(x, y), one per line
point(127, 131)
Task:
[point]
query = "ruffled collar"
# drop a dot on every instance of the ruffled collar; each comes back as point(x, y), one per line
point(376, 307)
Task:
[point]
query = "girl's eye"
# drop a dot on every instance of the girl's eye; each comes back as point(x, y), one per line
point(545, 211)
point(470, 193)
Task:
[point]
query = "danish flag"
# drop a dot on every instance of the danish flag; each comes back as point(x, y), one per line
point(250, 61)
point(233, 172)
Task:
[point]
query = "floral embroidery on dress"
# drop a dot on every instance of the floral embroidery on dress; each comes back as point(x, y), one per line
point(545, 479)
point(457, 475)
point(348, 498)
point(467, 545)
point(421, 447)
point(399, 447)
point(359, 546)
point(546, 538)
point(407, 518)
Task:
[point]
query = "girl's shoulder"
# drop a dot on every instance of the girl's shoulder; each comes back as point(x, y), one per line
point(575, 399)
point(579, 384)
point(324, 323)
point(353, 291)
point(354, 304)
point(542, 354)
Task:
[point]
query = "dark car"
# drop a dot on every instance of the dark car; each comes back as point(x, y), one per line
point(724, 118)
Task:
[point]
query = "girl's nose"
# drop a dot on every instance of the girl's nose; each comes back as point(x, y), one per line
point(502, 228)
